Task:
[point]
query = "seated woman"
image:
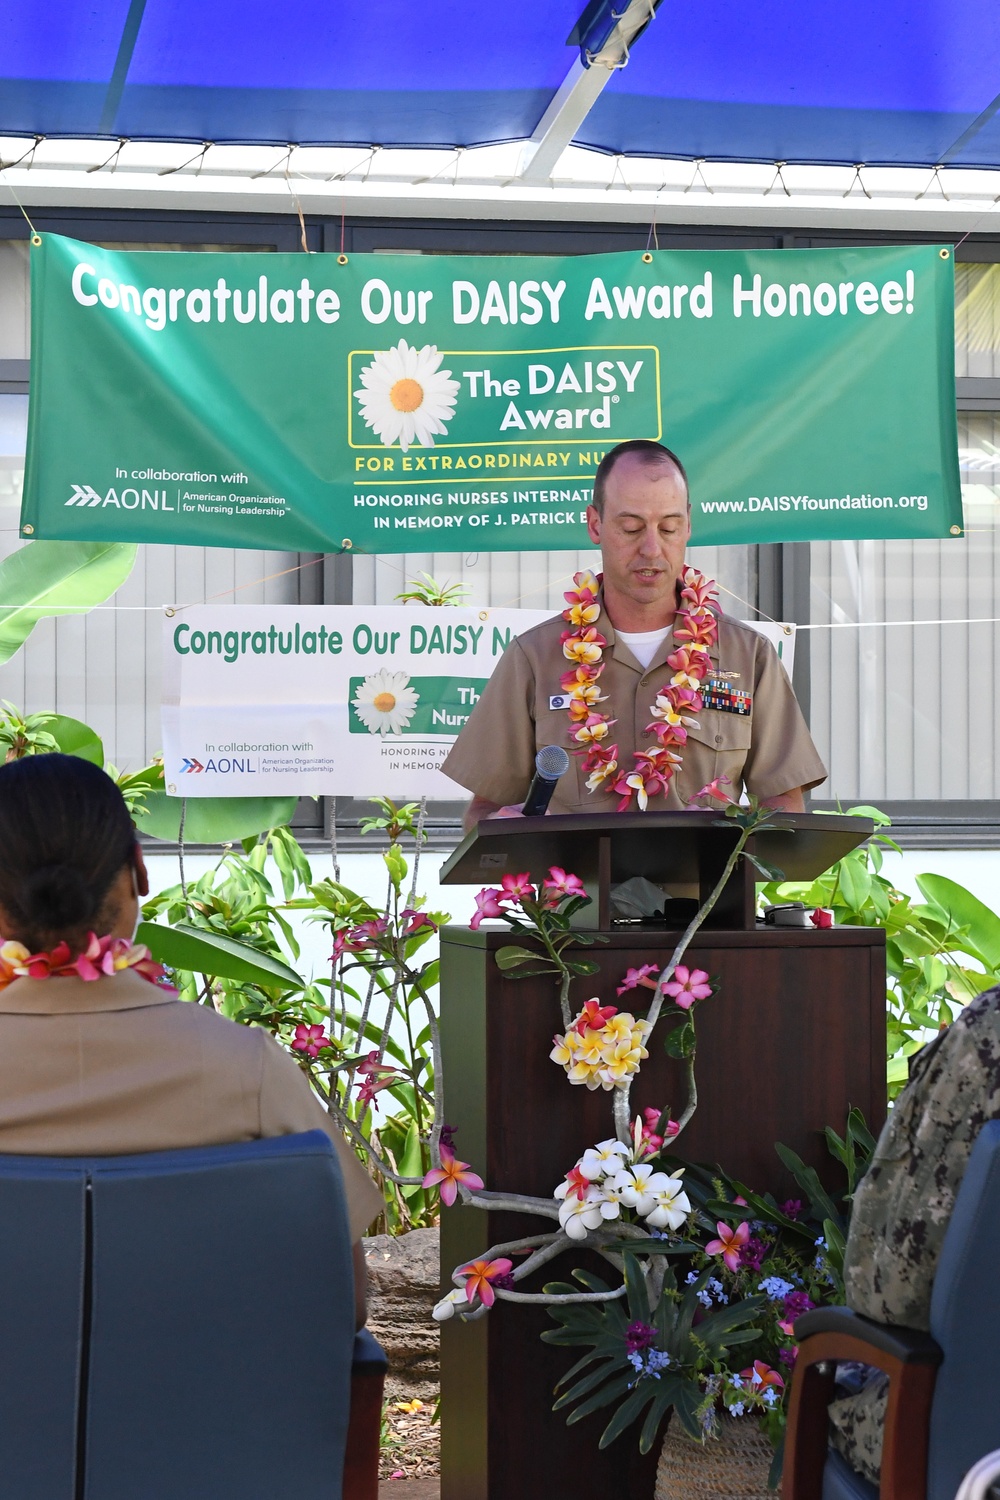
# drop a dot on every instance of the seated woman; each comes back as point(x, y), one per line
point(97, 1058)
point(904, 1203)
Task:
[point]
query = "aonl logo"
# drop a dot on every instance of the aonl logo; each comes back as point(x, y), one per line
point(84, 494)
point(191, 765)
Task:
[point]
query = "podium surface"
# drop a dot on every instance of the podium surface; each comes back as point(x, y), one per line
point(687, 849)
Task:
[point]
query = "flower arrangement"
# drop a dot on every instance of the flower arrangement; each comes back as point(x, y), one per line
point(102, 956)
point(712, 1275)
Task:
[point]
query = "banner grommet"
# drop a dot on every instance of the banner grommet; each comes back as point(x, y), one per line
point(944, 253)
point(341, 259)
point(647, 258)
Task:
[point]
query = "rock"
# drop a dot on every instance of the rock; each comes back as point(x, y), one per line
point(404, 1277)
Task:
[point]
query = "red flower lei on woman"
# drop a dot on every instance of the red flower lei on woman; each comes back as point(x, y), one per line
point(652, 770)
point(102, 956)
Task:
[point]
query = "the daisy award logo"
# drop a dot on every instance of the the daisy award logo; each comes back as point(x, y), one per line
point(406, 397)
point(385, 702)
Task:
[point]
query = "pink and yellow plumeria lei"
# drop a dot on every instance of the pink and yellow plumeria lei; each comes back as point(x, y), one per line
point(652, 770)
point(101, 957)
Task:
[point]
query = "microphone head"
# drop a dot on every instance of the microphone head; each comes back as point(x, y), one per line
point(552, 762)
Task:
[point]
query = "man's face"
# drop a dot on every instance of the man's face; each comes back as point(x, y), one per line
point(644, 530)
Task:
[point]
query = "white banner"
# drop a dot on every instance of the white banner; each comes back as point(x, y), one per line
point(331, 700)
point(324, 700)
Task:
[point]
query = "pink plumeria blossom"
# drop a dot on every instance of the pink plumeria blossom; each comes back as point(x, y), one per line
point(414, 920)
point(714, 791)
point(578, 1184)
point(558, 886)
point(375, 1076)
point(651, 1141)
point(517, 887)
point(487, 905)
point(478, 1277)
point(729, 1244)
point(450, 1175)
point(635, 977)
point(593, 1016)
point(309, 1039)
point(821, 917)
point(687, 986)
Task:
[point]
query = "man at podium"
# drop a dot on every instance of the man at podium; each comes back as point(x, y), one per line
point(651, 688)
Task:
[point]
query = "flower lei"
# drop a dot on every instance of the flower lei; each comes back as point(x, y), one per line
point(102, 956)
point(583, 645)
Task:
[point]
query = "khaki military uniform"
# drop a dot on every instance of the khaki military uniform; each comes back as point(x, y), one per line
point(768, 750)
point(118, 1065)
point(904, 1203)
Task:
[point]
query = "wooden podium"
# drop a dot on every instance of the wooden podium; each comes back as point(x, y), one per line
point(795, 1036)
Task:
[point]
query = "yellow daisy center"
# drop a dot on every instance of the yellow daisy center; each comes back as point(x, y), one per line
point(384, 702)
point(406, 395)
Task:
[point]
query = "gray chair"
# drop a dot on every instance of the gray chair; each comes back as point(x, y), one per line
point(176, 1326)
point(944, 1394)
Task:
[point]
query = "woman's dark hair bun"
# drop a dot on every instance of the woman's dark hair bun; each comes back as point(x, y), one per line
point(56, 896)
point(65, 833)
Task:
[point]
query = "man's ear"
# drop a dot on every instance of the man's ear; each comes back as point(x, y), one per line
point(141, 873)
point(593, 526)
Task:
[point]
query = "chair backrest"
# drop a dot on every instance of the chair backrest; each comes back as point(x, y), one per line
point(965, 1320)
point(175, 1326)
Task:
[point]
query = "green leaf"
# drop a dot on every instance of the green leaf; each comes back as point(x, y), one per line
point(769, 871)
point(511, 957)
point(213, 820)
point(396, 865)
point(855, 881)
point(635, 1282)
point(627, 1413)
point(56, 578)
point(820, 1201)
point(76, 738)
point(962, 909)
point(187, 947)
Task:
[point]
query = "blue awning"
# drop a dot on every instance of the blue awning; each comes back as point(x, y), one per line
point(764, 80)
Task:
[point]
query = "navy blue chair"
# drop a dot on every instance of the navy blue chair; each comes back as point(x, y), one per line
point(177, 1326)
point(944, 1393)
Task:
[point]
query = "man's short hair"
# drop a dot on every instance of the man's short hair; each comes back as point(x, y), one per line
point(647, 452)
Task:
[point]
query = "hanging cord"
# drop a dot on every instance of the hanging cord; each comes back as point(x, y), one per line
point(36, 238)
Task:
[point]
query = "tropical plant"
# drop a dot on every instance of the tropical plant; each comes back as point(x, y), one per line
point(56, 578)
point(940, 953)
point(432, 592)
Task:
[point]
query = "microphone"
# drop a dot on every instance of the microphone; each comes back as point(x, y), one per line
point(551, 762)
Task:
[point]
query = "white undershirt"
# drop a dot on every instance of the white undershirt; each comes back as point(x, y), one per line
point(645, 645)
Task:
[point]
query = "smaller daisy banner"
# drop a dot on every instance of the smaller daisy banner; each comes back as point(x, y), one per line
point(313, 700)
point(396, 403)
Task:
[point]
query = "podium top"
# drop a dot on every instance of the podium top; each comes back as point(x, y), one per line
point(662, 846)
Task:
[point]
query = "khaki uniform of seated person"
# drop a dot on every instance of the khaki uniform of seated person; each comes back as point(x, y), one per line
point(119, 1064)
point(750, 730)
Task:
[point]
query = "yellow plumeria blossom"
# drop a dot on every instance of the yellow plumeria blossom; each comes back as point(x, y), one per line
point(605, 1055)
point(582, 614)
point(606, 772)
point(13, 961)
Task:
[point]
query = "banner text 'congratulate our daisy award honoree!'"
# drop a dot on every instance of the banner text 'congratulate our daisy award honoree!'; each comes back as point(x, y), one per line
point(405, 403)
point(324, 700)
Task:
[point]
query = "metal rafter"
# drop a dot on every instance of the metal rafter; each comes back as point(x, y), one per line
point(579, 91)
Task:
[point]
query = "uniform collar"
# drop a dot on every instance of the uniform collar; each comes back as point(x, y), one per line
point(621, 653)
point(72, 995)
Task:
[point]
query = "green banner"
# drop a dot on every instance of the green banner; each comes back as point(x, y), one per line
point(406, 403)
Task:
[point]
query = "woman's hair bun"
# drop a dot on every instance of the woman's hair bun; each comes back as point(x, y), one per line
point(56, 896)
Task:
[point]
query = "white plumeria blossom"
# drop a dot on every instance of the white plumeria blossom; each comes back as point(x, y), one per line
point(448, 1306)
point(612, 1198)
point(672, 1204)
point(385, 702)
point(602, 1160)
point(405, 396)
point(639, 1185)
point(576, 1219)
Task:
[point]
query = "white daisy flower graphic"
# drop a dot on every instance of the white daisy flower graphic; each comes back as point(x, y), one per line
point(384, 702)
point(405, 396)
